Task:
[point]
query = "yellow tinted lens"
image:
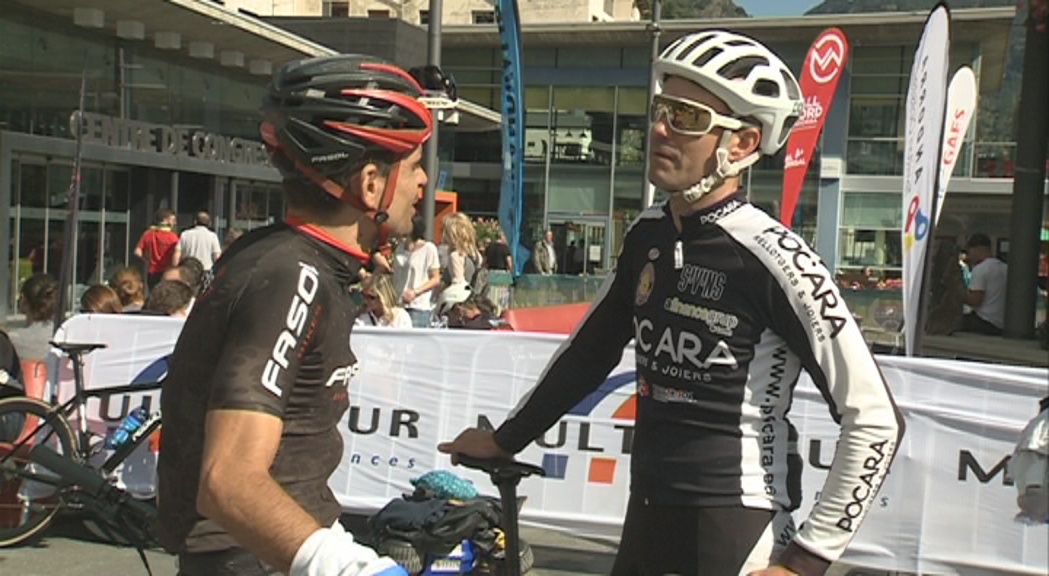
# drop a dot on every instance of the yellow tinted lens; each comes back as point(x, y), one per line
point(682, 116)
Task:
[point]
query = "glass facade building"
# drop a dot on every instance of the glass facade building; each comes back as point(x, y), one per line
point(164, 129)
point(586, 91)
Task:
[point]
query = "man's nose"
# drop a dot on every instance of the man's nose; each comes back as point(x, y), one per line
point(660, 127)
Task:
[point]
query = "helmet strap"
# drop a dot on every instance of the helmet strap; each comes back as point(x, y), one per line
point(725, 170)
point(381, 215)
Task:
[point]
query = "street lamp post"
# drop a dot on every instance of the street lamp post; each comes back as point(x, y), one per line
point(431, 164)
point(655, 30)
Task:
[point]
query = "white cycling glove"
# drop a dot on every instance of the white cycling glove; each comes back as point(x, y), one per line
point(333, 552)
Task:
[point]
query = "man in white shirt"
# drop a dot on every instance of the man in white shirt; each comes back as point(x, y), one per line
point(416, 273)
point(986, 293)
point(199, 242)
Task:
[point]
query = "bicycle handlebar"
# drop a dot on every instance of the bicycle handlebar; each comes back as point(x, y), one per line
point(500, 468)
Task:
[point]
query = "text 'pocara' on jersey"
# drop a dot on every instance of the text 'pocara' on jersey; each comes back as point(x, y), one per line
point(288, 339)
point(801, 265)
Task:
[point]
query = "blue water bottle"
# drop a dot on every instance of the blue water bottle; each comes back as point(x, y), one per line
point(127, 427)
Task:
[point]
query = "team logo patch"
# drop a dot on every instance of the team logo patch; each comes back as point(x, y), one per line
point(653, 254)
point(644, 284)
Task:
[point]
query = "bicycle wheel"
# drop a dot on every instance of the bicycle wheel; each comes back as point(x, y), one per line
point(27, 505)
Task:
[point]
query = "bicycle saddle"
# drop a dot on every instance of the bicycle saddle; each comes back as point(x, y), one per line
point(78, 347)
point(498, 468)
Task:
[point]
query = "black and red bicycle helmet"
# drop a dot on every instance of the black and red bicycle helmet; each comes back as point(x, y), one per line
point(323, 116)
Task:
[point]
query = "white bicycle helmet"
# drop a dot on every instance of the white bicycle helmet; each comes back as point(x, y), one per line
point(450, 296)
point(752, 81)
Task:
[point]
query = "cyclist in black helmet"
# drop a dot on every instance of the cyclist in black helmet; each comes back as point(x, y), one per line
point(259, 376)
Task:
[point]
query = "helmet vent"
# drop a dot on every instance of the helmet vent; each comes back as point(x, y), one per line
point(764, 87)
point(741, 67)
point(792, 87)
point(707, 56)
point(788, 123)
point(692, 47)
point(739, 42)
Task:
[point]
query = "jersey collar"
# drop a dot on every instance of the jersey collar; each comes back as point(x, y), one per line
point(322, 236)
point(711, 214)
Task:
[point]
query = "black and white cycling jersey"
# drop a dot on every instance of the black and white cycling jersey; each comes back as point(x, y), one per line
point(725, 315)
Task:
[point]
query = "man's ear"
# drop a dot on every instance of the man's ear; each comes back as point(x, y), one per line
point(745, 142)
point(369, 183)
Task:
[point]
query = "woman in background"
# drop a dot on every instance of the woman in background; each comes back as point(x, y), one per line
point(127, 283)
point(100, 299)
point(380, 307)
point(457, 232)
point(37, 300)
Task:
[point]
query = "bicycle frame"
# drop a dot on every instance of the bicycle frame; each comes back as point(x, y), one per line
point(78, 403)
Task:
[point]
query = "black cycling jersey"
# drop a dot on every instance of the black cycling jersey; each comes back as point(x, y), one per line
point(270, 334)
point(724, 315)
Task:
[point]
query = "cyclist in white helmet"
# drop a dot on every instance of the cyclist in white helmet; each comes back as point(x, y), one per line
point(726, 307)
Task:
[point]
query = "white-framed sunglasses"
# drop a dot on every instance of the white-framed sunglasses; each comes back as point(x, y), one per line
point(688, 117)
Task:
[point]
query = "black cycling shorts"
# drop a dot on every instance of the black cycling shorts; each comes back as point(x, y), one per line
point(689, 541)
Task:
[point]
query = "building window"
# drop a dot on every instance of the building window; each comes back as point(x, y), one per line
point(870, 233)
point(339, 9)
point(484, 16)
point(378, 13)
point(424, 17)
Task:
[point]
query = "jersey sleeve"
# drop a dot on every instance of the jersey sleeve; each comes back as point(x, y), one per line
point(269, 329)
point(582, 362)
point(806, 309)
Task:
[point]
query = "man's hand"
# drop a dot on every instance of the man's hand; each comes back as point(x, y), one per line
point(408, 296)
point(773, 571)
point(474, 442)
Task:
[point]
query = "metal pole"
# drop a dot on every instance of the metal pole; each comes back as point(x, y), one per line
point(430, 149)
point(655, 30)
point(1028, 187)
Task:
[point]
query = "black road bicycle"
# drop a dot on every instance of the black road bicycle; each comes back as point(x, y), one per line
point(44, 465)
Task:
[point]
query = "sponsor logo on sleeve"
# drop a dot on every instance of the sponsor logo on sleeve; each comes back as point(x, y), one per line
point(288, 339)
point(808, 278)
point(866, 487)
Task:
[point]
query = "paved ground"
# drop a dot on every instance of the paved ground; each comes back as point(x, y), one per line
point(69, 550)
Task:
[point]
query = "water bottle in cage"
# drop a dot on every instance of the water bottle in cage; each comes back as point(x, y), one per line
point(127, 427)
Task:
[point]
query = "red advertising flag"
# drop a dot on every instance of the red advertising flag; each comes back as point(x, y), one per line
point(819, 79)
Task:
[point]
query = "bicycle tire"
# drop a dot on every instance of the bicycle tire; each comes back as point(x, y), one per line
point(16, 413)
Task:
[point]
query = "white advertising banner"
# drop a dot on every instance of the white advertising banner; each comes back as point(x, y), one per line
point(947, 506)
point(926, 95)
point(961, 103)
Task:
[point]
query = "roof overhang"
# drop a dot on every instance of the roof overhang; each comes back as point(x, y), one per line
point(192, 22)
point(237, 40)
point(988, 27)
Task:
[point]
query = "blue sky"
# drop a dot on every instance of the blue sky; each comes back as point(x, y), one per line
point(776, 7)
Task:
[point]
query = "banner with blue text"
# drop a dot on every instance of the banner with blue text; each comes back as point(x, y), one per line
point(511, 194)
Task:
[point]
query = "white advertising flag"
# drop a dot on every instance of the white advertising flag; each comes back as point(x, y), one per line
point(961, 102)
point(926, 96)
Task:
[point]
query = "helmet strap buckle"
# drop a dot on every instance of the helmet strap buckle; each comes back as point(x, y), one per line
point(725, 169)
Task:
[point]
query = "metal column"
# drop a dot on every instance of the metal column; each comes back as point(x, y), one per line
point(1028, 186)
point(650, 190)
point(431, 163)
